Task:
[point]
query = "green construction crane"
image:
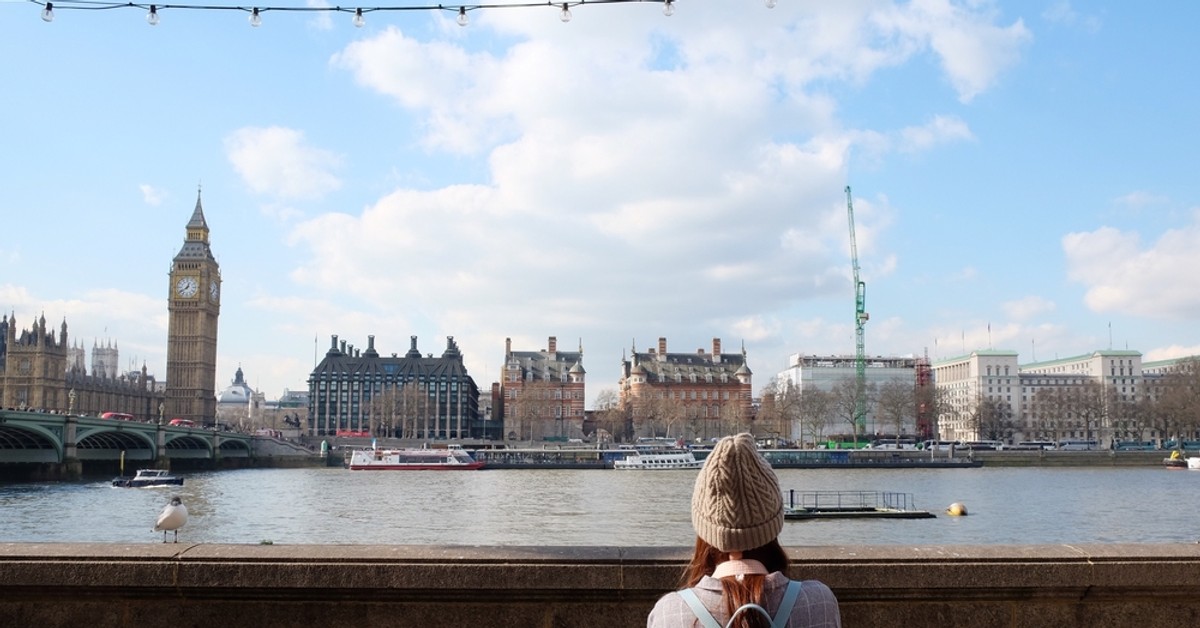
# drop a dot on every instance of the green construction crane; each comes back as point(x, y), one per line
point(860, 320)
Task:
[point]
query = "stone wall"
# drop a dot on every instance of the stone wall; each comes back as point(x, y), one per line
point(357, 586)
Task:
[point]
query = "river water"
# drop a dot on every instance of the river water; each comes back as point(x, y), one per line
point(602, 507)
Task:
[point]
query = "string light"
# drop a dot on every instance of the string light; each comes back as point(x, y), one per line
point(152, 17)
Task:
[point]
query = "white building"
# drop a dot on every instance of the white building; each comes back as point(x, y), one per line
point(1104, 377)
point(813, 372)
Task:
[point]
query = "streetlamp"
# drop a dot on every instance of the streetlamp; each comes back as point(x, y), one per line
point(160, 413)
point(71, 401)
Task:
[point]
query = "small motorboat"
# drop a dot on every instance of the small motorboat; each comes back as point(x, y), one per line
point(1176, 461)
point(148, 477)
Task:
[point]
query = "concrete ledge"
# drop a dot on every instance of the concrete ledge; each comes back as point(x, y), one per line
point(169, 585)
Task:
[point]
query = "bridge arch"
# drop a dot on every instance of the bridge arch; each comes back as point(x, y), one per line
point(30, 443)
point(107, 444)
point(188, 446)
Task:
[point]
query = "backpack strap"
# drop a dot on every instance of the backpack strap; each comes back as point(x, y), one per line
point(786, 605)
point(782, 615)
point(698, 609)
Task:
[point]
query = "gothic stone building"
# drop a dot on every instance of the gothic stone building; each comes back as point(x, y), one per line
point(688, 395)
point(35, 373)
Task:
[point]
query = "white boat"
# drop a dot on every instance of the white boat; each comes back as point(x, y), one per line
point(658, 460)
point(1193, 462)
point(148, 477)
point(412, 460)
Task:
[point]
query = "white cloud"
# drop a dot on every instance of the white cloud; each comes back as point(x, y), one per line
point(1028, 307)
point(1123, 276)
point(1065, 14)
point(152, 195)
point(672, 176)
point(1170, 353)
point(972, 48)
point(941, 129)
point(1139, 199)
point(277, 161)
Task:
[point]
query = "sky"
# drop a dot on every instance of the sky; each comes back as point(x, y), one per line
point(1022, 175)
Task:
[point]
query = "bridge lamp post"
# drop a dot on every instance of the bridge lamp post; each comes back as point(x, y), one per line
point(71, 401)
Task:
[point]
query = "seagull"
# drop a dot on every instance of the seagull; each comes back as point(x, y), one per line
point(172, 517)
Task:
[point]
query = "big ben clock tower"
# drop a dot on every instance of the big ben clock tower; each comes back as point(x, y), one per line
point(193, 305)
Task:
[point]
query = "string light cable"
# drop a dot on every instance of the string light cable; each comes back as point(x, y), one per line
point(255, 13)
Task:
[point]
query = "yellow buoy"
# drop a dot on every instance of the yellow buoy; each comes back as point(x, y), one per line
point(957, 510)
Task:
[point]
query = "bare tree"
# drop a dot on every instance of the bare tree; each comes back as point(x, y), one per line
point(1178, 406)
point(1050, 408)
point(896, 406)
point(993, 419)
point(815, 408)
point(846, 403)
point(610, 418)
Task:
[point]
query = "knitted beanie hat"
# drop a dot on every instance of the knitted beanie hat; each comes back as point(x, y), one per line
point(736, 504)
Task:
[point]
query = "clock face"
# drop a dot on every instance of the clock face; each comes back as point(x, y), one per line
point(213, 292)
point(187, 286)
point(24, 366)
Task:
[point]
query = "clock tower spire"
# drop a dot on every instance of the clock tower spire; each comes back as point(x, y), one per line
point(193, 305)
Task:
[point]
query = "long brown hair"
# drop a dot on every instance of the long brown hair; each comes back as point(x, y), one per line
point(734, 592)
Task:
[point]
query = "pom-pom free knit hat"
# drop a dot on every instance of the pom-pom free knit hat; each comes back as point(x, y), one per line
point(736, 504)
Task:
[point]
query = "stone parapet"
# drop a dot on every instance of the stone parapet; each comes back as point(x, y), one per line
point(357, 586)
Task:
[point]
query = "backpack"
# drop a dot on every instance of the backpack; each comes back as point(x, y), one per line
point(778, 621)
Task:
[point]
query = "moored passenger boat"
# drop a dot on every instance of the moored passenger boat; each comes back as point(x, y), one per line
point(412, 460)
point(659, 460)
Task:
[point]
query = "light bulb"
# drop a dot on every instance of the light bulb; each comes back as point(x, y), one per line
point(255, 18)
point(358, 18)
point(462, 16)
point(48, 12)
point(668, 8)
point(770, 4)
point(152, 16)
point(565, 15)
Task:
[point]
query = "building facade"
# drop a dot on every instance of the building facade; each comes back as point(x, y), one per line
point(193, 305)
point(1092, 397)
point(353, 392)
point(542, 393)
point(688, 395)
point(826, 373)
point(38, 370)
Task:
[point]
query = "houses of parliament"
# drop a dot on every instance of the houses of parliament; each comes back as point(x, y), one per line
point(42, 368)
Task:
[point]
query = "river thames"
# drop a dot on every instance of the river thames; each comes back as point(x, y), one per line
point(1073, 505)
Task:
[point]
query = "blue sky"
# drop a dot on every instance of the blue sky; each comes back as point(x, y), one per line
point(1023, 178)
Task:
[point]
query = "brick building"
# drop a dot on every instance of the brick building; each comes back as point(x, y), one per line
point(689, 395)
point(541, 393)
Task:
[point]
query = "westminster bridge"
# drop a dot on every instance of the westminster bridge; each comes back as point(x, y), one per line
point(45, 445)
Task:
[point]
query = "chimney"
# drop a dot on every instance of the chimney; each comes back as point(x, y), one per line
point(553, 344)
point(370, 343)
point(662, 346)
point(507, 347)
point(716, 350)
point(343, 346)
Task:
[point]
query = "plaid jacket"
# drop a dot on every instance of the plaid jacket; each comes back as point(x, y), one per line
point(815, 608)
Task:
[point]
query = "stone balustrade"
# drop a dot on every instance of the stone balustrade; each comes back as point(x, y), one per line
point(155, 585)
